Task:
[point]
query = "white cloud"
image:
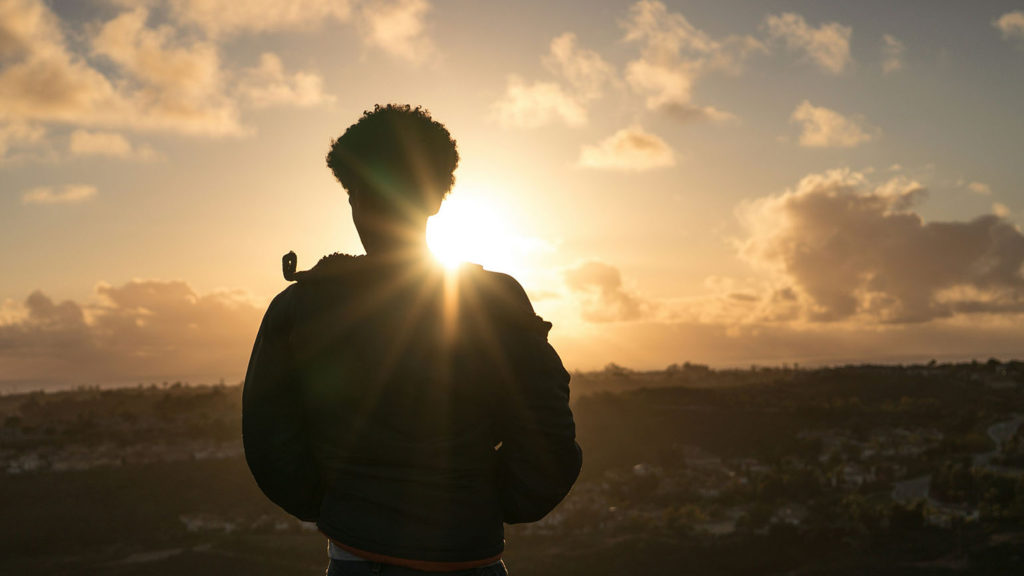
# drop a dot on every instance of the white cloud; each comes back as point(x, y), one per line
point(71, 194)
point(583, 69)
point(603, 297)
point(141, 329)
point(42, 81)
point(825, 128)
point(268, 85)
point(1011, 24)
point(537, 104)
point(224, 17)
point(17, 133)
point(664, 84)
point(158, 82)
point(146, 76)
point(21, 23)
point(980, 188)
point(1000, 210)
point(668, 89)
point(669, 36)
point(629, 149)
point(398, 27)
point(849, 250)
point(174, 82)
point(585, 75)
point(111, 144)
point(828, 45)
point(674, 55)
point(892, 50)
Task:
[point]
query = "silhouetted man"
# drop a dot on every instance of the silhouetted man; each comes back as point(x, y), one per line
point(408, 410)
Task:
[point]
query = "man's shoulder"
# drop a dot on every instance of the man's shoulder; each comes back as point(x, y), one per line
point(332, 266)
point(501, 287)
point(281, 305)
point(328, 273)
point(503, 297)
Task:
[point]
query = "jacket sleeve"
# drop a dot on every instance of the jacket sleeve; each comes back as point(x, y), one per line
point(539, 457)
point(273, 425)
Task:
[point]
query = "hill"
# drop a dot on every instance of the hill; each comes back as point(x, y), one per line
point(846, 470)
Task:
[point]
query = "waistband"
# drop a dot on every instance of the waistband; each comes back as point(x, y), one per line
point(344, 553)
point(365, 568)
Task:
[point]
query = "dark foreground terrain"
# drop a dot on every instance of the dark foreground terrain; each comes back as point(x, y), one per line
point(853, 470)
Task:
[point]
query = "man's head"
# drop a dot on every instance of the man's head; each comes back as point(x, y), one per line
point(397, 164)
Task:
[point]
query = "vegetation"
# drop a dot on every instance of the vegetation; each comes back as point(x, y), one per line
point(848, 470)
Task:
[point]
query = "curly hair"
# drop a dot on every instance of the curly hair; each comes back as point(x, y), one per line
point(399, 152)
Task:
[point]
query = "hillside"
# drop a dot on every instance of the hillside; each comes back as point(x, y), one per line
point(848, 470)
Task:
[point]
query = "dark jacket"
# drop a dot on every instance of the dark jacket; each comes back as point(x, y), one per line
point(408, 411)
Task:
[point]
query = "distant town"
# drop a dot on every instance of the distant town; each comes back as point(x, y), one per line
point(913, 469)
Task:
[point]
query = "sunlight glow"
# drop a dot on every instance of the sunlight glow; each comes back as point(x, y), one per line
point(470, 229)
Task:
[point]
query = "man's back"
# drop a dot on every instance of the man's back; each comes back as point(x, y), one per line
point(429, 410)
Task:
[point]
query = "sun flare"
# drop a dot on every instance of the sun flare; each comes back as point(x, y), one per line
point(469, 229)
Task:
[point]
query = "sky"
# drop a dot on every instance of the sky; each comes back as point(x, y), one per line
point(721, 182)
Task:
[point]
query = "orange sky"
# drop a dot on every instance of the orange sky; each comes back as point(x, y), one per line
point(718, 182)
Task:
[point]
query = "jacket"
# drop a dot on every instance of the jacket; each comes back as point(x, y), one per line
point(407, 410)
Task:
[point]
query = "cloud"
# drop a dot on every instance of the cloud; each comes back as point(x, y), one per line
point(17, 134)
point(227, 17)
point(41, 79)
point(583, 75)
point(537, 104)
point(851, 251)
point(666, 85)
point(731, 302)
point(268, 85)
point(129, 73)
point(674, 55)
point(604, 299)
point(629, 149)
point(669, 37)
point(399, 28)
point(892, 50)
point(691, 113)
point(142, 329)
point(828, 45)
point(158, 82)
point(585, 71)
point(980, 188)
point(111, 144)
point(651, 345)
point(824, 128)
point(70, 194)
point(1011, 24)
point(174, 82)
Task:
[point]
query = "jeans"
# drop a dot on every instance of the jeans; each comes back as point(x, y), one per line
point(359, 568)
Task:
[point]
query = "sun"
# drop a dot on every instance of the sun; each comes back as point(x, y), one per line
point(469, 229)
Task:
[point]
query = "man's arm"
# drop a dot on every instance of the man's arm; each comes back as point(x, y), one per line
point(540, 459)
point(273, 423)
